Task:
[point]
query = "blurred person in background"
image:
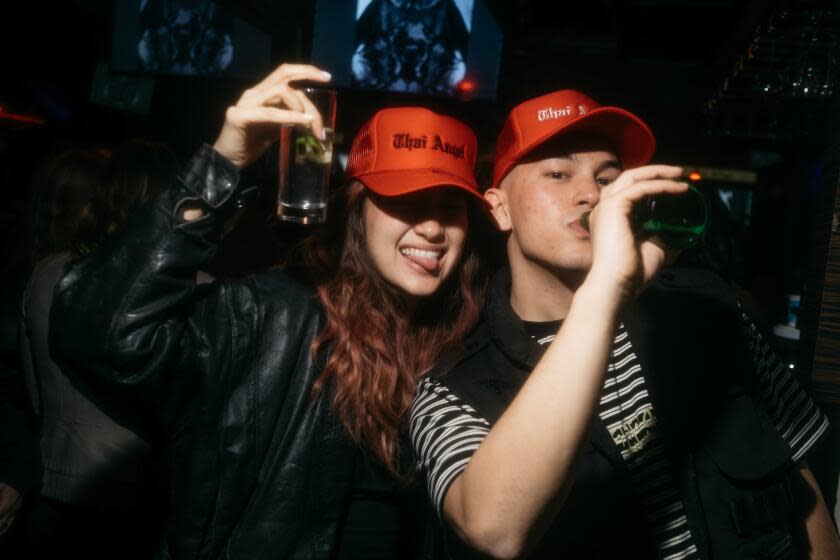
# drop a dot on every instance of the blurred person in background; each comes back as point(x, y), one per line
point(19, 458)
point(99, 496)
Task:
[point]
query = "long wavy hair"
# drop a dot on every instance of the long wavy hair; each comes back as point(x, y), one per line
point(137, 172)
point(63, 213)
point(377, 348)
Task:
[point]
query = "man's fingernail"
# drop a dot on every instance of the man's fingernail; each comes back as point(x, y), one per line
point(309, 117)
point(326, 74)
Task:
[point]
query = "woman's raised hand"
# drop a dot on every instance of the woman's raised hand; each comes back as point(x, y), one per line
point(251, 125)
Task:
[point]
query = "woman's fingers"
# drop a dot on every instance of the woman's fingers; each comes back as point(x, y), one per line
point(286, 73)
point(244, 116)
point(291, 72)
point(276, 95)
point(317, 118)
point(274, 91)
point(293, 100)
point(271, 102)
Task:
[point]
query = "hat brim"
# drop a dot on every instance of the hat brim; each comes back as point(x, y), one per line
point(406, 181)
point(633, 141)
point(626, 132)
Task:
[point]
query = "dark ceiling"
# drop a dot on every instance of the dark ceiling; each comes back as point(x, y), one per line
point(644, 53)
point(663, 59)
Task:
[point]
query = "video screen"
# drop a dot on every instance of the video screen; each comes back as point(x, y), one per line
point(739, 202)
point(186, 38)
point(427, 47)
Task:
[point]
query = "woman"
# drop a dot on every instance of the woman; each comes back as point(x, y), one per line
point(285, 395)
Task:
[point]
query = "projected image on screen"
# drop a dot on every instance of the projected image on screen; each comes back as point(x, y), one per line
point(187, 37)
point(417, 46)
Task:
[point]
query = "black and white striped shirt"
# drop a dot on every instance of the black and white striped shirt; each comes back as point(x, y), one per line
point(626, 410)
point(446, 431)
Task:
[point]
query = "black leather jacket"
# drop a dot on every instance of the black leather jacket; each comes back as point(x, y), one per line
point(259, 468)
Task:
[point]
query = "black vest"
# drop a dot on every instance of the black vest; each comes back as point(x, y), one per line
point(730, 464)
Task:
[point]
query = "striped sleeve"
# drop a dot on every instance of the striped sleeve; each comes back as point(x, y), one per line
point(445, 432)
point(796, 416)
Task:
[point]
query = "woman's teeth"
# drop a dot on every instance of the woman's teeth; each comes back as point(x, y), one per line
point(423, 254)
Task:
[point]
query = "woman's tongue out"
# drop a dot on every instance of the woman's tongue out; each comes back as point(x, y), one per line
point(428, 260)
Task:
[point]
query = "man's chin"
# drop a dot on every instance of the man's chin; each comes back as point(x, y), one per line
point(572, 273)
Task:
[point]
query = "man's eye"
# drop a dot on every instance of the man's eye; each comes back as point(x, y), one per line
point(604, 181)
point(558, 174)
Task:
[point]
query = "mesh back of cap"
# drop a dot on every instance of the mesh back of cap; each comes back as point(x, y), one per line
point(360, 158)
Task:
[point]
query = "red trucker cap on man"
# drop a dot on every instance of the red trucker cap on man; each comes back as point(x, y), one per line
point(532, 123)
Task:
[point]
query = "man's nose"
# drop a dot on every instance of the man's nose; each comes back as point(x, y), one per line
point(588, 193)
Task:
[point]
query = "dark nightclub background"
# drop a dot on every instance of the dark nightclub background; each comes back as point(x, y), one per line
point(743, 91)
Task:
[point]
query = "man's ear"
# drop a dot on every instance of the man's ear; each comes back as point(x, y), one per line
point(498, 208)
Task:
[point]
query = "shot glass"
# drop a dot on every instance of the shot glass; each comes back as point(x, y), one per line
point(304, 164)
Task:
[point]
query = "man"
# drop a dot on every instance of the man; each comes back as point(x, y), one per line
point(599, 411)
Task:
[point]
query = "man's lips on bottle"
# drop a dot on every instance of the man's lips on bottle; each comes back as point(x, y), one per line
point(575, 225)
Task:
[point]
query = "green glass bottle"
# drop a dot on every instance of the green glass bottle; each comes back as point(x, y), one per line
point(678, 220)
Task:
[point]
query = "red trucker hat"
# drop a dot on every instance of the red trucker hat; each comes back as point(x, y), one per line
point(406, 149)
point(532, 123)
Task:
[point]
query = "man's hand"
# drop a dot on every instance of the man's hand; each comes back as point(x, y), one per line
point(10, 503)
point(620, 260)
